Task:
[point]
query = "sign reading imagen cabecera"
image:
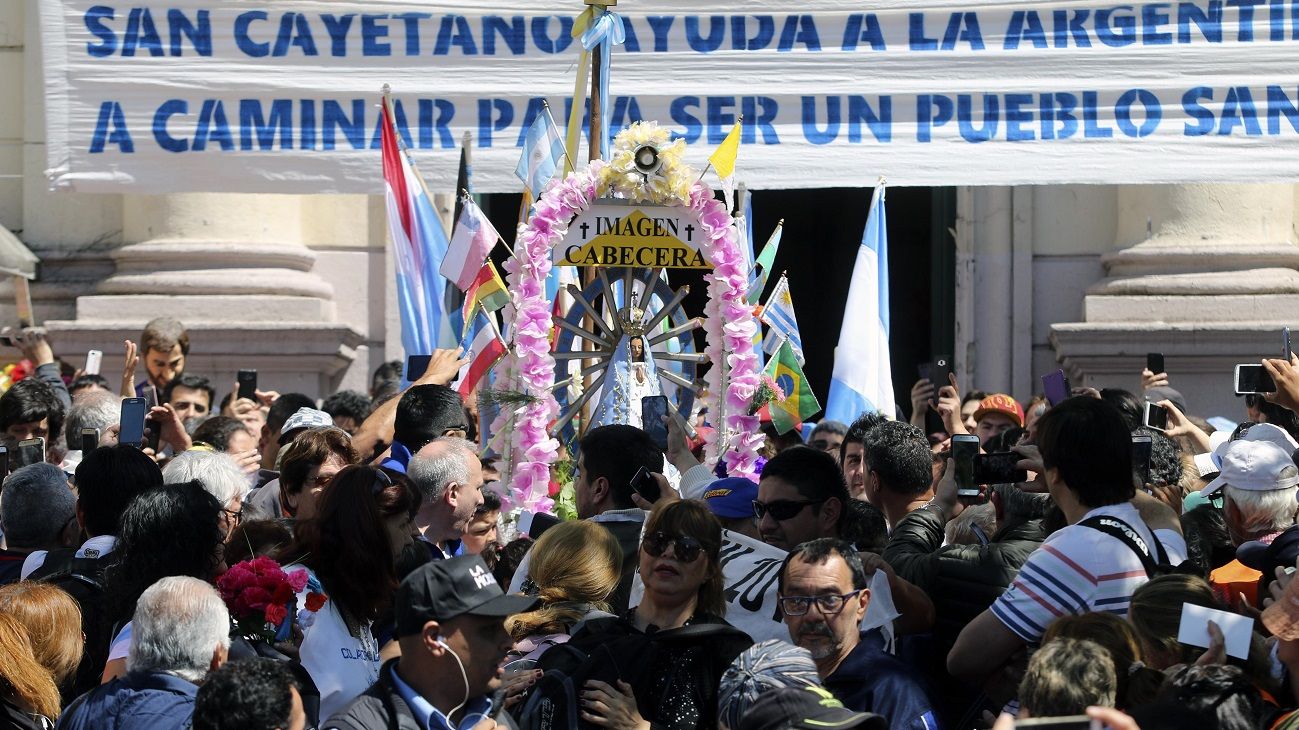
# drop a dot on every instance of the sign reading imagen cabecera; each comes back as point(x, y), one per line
point(620, 233)
point(283, 96)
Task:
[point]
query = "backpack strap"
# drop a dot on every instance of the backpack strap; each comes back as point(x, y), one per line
point(1123, 532)
point(57, 562)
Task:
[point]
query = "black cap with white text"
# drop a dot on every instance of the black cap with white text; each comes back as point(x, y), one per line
point(445, 589)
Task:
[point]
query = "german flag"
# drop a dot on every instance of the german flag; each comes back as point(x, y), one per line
point(487, 291)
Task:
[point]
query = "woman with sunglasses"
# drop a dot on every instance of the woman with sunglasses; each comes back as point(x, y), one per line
point(364, 519)
point(681, 569)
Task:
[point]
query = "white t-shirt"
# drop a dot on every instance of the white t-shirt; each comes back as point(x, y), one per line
point(342, 666)
point(1079, 570)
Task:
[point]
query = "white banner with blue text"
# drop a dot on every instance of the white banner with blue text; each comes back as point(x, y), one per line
point(283, 97)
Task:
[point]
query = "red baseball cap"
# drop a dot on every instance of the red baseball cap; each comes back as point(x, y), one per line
point(1000, 403)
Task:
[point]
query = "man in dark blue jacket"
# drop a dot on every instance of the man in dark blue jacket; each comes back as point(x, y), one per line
point(824, 593)
point(180, 632)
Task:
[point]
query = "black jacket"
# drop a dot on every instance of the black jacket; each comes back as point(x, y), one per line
point(962, 580)
point(382, 706)
point(628, 535)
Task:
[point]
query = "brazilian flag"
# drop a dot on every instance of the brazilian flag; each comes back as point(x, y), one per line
point(800, 403)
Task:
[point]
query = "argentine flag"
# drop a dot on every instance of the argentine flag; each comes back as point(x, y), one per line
point(862, 379)
point(542, 150)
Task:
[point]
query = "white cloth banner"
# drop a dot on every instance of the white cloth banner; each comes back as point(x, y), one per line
point(282, 97)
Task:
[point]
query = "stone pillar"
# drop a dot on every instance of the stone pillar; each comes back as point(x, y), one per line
point(994, 267)
point(230, 266)
point(1206, 274)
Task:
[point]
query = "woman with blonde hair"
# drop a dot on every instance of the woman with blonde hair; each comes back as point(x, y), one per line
point(28, 697)
point(52, 619)
point(575, 566)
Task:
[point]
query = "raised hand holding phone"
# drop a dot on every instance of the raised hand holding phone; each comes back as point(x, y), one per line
point(131, 423)
point(1285, 376)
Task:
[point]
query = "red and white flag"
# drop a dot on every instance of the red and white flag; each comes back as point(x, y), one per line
point(471, 241)
point(486, 350)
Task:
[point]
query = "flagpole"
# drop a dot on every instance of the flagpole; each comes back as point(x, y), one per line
point(597, 73)
point(597, 8)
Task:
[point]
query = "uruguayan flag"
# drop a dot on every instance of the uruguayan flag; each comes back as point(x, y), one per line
point(862, 379)
point(779, 315)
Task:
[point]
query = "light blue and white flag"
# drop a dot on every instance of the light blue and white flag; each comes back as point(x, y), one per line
point(779, 315)
point(419, 247)
point(862, 379)
point(543, 148)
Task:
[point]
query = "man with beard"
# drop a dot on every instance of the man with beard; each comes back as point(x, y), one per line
point(823, 596)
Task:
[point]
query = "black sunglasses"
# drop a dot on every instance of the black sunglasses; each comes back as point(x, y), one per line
point(685, 549)
point(781, 509)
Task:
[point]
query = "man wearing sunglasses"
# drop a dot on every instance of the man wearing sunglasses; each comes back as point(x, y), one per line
point(823, 596)
point(801, 497)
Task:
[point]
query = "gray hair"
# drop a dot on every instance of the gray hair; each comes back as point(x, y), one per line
point(35, 505)
point(431, 474)
point(219, 473)
point(960, 531)
point(92, 409)
point(1269, 511)
point(179, 622)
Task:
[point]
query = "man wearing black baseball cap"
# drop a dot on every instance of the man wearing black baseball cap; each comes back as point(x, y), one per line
point(451, 627)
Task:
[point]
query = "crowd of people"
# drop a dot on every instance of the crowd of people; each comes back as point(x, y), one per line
point(275, 562)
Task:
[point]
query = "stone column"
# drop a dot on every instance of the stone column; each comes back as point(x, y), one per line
point(1206, 274)
point(232, 268)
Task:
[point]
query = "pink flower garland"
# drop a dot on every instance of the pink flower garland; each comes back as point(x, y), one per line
point(729, 327)
point(533, 450)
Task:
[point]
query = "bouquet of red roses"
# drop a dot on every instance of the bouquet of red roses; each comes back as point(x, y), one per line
point(261, 596)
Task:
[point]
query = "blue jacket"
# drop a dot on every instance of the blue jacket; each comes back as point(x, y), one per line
point(138, 701)
point(872, 680)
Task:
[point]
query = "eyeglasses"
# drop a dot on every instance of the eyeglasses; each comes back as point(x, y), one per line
point(823, 445)
point(781, 509)
point(685, 549)
point(235, 517)
point(321, 480)
point(829, 605)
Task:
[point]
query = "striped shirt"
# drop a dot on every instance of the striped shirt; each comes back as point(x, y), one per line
point(1079, 570)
